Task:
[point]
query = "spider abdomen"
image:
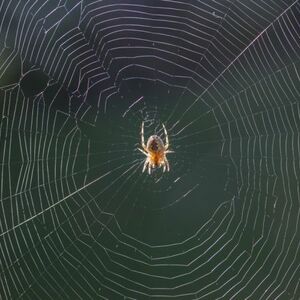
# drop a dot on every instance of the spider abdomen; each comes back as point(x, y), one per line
point(155, 144)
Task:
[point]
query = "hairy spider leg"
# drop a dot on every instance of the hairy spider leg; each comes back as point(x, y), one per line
point(145, 165)
point(167, 143)
point(142, 137)
point(149, 168)
point(166, 137)
point(167, 166)
point(143, 141)
point(144, 152)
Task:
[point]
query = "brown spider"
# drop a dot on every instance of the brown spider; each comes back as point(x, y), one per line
point(155, 150)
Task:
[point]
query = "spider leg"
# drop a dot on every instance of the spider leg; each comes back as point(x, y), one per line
point(166, 136)
point(169, 151)
point(142, 136)
point(167, 164)
point(149, 168)
point(144, 152)
point(145, 165)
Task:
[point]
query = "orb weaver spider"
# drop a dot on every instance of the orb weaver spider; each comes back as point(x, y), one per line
point(155, 150)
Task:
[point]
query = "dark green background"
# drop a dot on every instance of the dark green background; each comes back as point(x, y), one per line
point(78, 217)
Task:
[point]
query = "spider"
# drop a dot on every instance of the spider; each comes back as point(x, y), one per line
point(155, 150)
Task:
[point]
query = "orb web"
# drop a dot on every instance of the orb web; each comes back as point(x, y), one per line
point(79, 219)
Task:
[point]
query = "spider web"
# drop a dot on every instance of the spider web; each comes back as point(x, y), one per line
point(79, 219)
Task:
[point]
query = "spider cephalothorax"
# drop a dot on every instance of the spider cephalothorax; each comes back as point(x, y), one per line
point(155, 150)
